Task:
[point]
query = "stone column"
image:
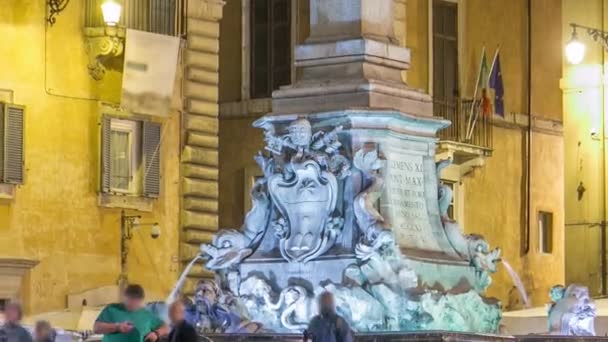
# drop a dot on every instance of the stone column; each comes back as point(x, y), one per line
point(351, 59)
point(199, 171)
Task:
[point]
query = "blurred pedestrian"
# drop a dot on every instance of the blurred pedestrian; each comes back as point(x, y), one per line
point(130, 321)
point(328, 326)
point(44, 332)
point(12, 327)
point(181, 330)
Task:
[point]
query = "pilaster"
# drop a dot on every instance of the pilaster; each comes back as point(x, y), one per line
point(200, 125)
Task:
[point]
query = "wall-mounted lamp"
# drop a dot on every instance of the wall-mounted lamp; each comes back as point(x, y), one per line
point(104, 44)
point(111, 12)
point(128, 224)
point(55, 7)
point(575, 49)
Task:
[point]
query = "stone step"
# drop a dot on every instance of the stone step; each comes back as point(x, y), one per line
point(201, 91)
point(203, 44)
point(205, 28)
point(202, 75)
point(200, 204)
point(202, 107)
point(198, 220)
point(208, 9)
point(199, 171)
point(193, 236)
point(200, 188)
point(200, 156)
point(201, 124)
point(205, 60)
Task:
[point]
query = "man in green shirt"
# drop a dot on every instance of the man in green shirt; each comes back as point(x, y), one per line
point(129, 321)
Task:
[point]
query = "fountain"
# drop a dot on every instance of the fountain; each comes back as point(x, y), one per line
point(352, 205)
point(350, 200)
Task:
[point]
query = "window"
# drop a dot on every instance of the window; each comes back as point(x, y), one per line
point(270, 60)
point(130, 157)
point(158, 16)
point(451, 208)
point(11, 143)
point(124, 155)
point(445, 50)
point(545, 232)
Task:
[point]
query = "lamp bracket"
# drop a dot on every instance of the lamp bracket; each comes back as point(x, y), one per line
point(595, 33)
point(103, 45)
point(55, 7)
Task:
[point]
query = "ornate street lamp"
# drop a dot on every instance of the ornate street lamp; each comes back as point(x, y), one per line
point(575, 49)
point(111, 12)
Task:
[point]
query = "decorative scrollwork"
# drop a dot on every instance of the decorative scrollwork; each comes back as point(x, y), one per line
point(55, 7)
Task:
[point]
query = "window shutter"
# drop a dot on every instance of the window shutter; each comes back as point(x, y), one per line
point(151, 158)
point(106, 125)
point(13, 144)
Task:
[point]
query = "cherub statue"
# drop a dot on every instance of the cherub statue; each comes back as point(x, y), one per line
point(572, 311)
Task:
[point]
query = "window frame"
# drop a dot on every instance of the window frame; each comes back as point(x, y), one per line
point(145, 197)
point(246, 46)
point(461, 44)
point(135, 141)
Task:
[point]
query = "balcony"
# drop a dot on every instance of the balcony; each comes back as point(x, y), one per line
point(468, 141)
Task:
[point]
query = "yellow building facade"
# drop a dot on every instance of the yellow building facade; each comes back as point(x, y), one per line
point(584, 90)
point(55, 232)
point(59, 236)
point(501, 193)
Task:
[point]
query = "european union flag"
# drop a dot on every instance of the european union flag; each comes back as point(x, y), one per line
point(495, 82)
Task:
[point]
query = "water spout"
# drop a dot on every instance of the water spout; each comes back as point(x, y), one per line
point(517, 282)
point(180, 282)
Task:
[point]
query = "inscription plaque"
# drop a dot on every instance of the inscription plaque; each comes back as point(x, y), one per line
point(405, 203)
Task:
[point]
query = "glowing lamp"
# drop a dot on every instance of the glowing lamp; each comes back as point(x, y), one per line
point(575, 49)
point(111, 12)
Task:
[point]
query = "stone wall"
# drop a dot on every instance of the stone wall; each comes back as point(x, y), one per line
point(199, 182)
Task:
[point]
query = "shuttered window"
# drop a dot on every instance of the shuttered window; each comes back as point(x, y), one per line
point(130, 157)
point(158, 16)
point(270, 46)
point(445, 50)
point(12, 140)
point(151, 155)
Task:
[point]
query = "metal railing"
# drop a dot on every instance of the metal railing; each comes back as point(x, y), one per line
point(158, 16)
point(464, 129)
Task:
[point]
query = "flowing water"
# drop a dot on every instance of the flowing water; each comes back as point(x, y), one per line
point(517, 282)
point(180, 282)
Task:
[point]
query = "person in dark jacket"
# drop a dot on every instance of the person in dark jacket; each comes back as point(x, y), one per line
point(181, 330)
point(328, 326)
point(13, 330)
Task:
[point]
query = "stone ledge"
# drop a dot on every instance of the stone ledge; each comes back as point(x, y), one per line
point(125, 202)
point(312, 97)
point(328, 53)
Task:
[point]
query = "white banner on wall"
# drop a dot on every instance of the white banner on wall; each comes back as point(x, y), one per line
point(149, 72)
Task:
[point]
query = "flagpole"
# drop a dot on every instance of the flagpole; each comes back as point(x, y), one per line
point(470, 133)
point(483, 51)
